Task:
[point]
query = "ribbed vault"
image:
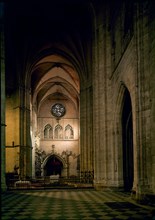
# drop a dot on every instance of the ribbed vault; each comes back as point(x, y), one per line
point(53, 77)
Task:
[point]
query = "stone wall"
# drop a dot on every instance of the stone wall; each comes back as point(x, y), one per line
point(125, 66)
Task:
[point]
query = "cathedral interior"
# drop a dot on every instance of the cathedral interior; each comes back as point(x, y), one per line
point(78, 93)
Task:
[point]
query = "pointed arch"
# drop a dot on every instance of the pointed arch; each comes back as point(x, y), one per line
point(58, 132)
point(124, 138)
point(48, 131)
point(127, 142)
point(69, 133)
point(61, 164)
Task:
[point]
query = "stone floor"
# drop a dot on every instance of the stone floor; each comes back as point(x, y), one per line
point(71, 204)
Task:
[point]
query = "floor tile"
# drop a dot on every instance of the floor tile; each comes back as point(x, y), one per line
point(71, 204)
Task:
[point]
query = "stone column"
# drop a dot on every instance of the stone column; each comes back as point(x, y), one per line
point(25, 138)
point(142, 179)
point(28, 135)
point(100, 109)
point(34, 136)
point(152, 96)
point(86, 152)
point(3, 182)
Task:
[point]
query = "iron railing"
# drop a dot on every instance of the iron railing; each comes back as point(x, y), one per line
point(47, 182)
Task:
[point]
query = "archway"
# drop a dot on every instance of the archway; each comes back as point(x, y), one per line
point(53, 166)
point(127, 141)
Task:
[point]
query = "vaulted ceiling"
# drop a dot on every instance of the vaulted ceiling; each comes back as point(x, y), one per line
point(47, 47)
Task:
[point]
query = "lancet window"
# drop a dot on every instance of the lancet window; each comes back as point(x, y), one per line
point(58, 132)
point(69, 134)
point(48, 131)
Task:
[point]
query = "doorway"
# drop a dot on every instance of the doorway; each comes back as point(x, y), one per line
point(53, 166)
point(127, 140)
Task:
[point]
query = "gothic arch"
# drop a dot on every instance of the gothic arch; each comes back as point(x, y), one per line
point(127, 142)
point(61, 159)
point(69, 133)
point(48, 131)
point(124, 139)
point(58, 132)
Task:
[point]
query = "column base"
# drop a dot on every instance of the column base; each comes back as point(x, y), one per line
point(100, 186)
point(143, 198)
point(108, 184)
point(3, 187)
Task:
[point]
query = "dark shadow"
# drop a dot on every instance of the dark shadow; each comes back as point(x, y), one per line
point(127, 136)
point(53, 166)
